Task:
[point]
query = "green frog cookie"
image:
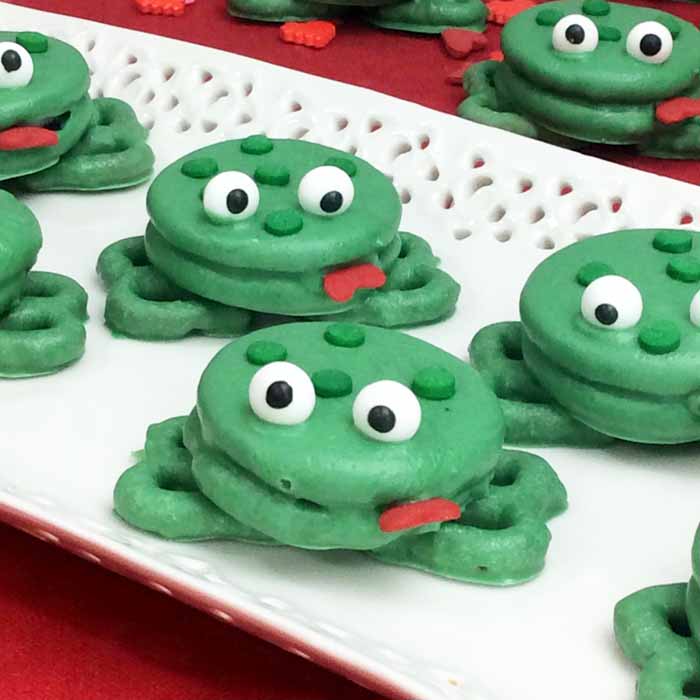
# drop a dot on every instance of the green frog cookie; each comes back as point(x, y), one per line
point(658, 628)
point(53, 136)
point(608, 346)
point(274, 227)
point(41, 313)
point(333, 435)
point(424, 16)
point(594, 72)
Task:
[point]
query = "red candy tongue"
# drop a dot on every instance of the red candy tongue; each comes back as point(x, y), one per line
point(677, 110)
point(19, 138)
point(341, 284)
point(408, 515)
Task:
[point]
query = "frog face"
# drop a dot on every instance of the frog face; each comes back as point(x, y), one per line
point(44, 107)
point(596, 70)
point(277, 226)
point(612, 330)
point(20, 240)
point(337, 435)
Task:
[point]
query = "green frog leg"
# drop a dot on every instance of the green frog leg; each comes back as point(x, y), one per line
point(111, 154)
point(159, 493)
point(44, 332)
point(283, 10)
point(416, 291)
point(652, 630)
point(501, 539)
point(429, 16)
point(532, 417)
point(142, 303)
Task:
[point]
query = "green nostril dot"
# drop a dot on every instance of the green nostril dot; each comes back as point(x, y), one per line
point(673, 241)
point(331, 383)
point(684, 269)
point(592, 271)
point(284, 223)
point(596, 8)
point(660, 337)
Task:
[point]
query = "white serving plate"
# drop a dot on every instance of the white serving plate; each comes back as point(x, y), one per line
point(67, 437)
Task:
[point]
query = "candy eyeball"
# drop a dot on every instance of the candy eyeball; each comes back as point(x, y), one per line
point(281, 393)
point(387, 411)
point(695, 309)
point(612, 302)
point(575, 34)
point(326, 191)
point(650, 42)
point(16, 65)
point(230, 196)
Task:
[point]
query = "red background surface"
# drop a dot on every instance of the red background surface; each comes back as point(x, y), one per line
point(73, 631)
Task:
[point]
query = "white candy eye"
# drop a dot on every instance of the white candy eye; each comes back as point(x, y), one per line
point(387, 411)
point(16, 65)
point(230, 196)
point(327, 191)
point(612, 302)
point(695, 310)
point(575, 34)
point(281, 393)
point(650, 42)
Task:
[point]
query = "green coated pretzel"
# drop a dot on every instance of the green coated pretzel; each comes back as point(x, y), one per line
point(111, 154)
point(44, 331)
point(502, 538)
point(143, 303)
point(160, 495)
point(532, 417)
point(651, 627)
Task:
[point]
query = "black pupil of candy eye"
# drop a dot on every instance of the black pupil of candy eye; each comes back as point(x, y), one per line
point(606, 314)
point(381, 419)
point(11, 61)
point(575, 34)
point(237, 201)
point(331, 202)
point(279, 395)
point(650, 44)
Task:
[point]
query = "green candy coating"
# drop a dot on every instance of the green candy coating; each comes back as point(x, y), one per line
point(276, 175)
point(660, 337)
point(257, 145)
point(672, 241)
point(596, 8)
point(344, 335)
point(33, 42)
point(434, 383)
point(284, 223)
point(609, 34)
point(262, 352)
point(331, 383)
point(200, 168)
point(592, 271)
point(684, 269)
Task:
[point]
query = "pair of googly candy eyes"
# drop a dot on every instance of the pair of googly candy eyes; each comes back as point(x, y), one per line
point(16, 65)
point(650, 42)
point(614, 302)
point(234, 196)
point(283, 394)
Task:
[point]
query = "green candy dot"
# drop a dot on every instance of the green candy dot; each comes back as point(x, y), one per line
point(435, 383)
point(609, 34)
point(592, 271)
point(548, 17)
point(684, 269)
point(262, 352)
point(331, 383)
point(673, 241)
point(199, 168)
point(660, 337)
point(257, 145)
point(671, 23)
point(349, 166)
point(33, 42)
point(596, 8)
point(276, 175)
point(284, 223)
point(344, 335)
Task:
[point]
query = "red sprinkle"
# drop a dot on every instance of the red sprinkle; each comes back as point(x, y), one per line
point(500, 11)
point(171, 8)
point(19, 138)
point(459, 43)
point(316, 34)
point(341, 284)
point(677, 109)
point(409, 515)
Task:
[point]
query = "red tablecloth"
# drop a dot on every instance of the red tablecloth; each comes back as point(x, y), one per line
point(72, 630)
